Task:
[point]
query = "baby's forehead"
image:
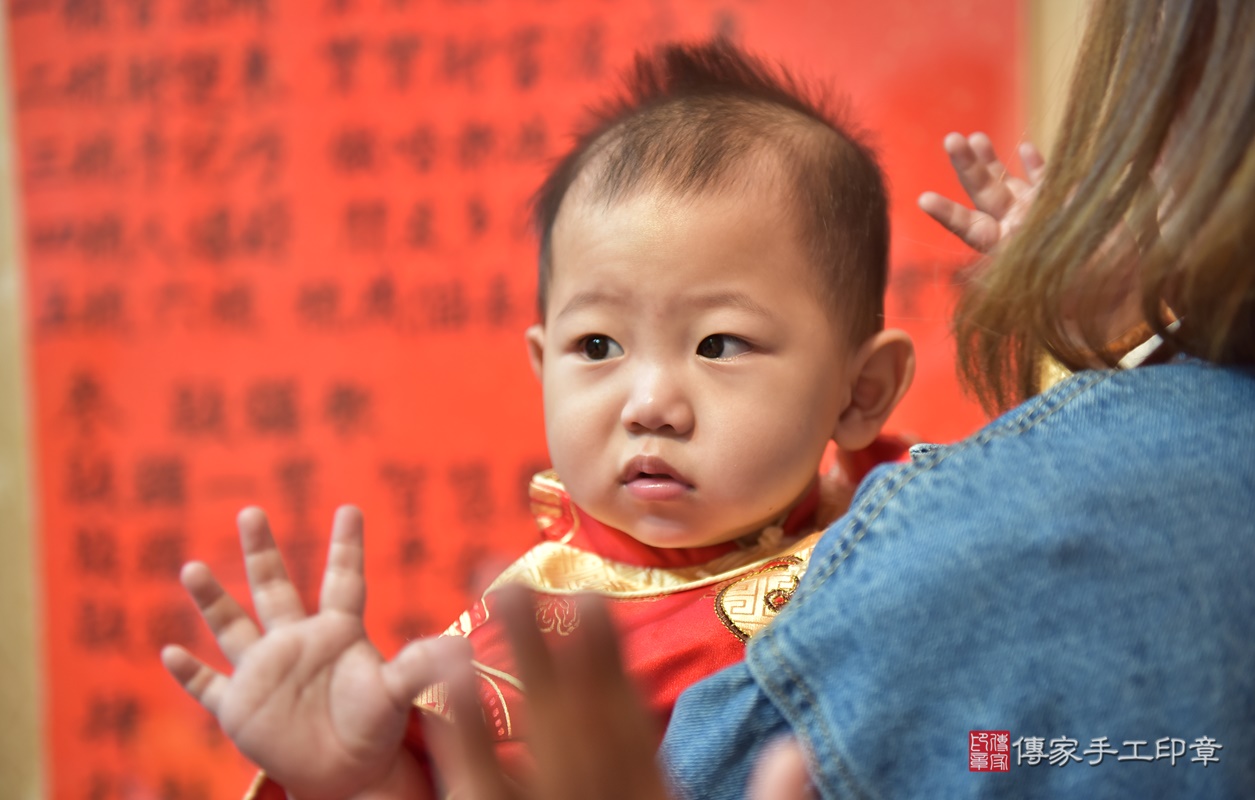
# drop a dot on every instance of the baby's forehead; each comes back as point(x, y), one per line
point(753, 216)
point(695, 222)
point(762, 164)
point(761, 183)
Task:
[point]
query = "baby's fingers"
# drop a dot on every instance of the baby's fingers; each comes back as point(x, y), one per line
point(199, 680)
point(612, 709)
point(231, 626)
point(471, 768)
point(590, 733)
point(274, 597)
point(983, 148)
point(983, 176)
point(780, 774)
point(1033, 162)
point(423, 663)
point(979, 231)
point(343, 588)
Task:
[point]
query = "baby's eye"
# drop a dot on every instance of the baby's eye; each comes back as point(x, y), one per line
point(599, 348)
point(722, 346)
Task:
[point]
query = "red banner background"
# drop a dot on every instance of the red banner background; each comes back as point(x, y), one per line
point(276, 254)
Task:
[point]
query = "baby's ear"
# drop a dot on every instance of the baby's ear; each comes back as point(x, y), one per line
point(535, 337)
point(881, 372)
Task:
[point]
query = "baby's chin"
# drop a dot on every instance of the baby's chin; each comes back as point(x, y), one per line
point(669, 534)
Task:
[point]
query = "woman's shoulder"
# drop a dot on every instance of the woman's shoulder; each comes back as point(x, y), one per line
point(1114, 424)
point(1079, 568)
point(1191, 394)
point(1142, 452)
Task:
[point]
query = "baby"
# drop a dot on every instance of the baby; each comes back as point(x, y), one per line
point(713, 260)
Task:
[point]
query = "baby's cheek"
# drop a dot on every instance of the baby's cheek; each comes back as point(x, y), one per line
point(790, 462)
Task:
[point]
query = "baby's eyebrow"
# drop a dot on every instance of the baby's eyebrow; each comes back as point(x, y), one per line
point(591, 297)
point(704, 301)
point(734, 299)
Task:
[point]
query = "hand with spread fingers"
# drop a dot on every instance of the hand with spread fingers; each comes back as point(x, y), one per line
point(1001, 200)
point(314, 704)
point(310, 700)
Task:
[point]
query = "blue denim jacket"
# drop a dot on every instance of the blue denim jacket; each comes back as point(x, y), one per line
point(1082, 567)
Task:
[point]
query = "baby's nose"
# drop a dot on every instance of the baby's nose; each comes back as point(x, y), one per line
point(657, 403)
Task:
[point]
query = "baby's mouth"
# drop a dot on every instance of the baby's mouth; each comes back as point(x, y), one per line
point(652, 478)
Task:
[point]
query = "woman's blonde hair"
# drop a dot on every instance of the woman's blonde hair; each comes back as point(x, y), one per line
point(1151, 185)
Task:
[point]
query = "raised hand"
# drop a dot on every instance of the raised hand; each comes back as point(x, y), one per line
point(1000, 199)
point(310, 700)
point(591, 735)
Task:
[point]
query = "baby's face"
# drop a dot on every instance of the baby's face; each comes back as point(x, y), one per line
point(692, 372)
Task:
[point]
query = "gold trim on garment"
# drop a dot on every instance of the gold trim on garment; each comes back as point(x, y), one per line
point(496, 673)
point(748, 604)
point(258, 780)
point(763, 570)
point(505, 709)
point(435, 698)
point(558, 568)
point(548, 503)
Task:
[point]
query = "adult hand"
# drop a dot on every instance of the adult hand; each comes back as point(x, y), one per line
point(592, 737)
point(310, 700)
point(1001, 200)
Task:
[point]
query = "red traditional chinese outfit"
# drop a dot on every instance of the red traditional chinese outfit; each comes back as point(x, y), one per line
point(681, 614)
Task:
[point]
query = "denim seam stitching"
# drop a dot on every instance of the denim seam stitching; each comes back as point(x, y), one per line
point(1040, 411)
point(810, 751)
point(1046, 406)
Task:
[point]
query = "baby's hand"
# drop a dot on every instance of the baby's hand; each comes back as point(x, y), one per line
point(590, 734)
point(1001, 200)
point(310, 701)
